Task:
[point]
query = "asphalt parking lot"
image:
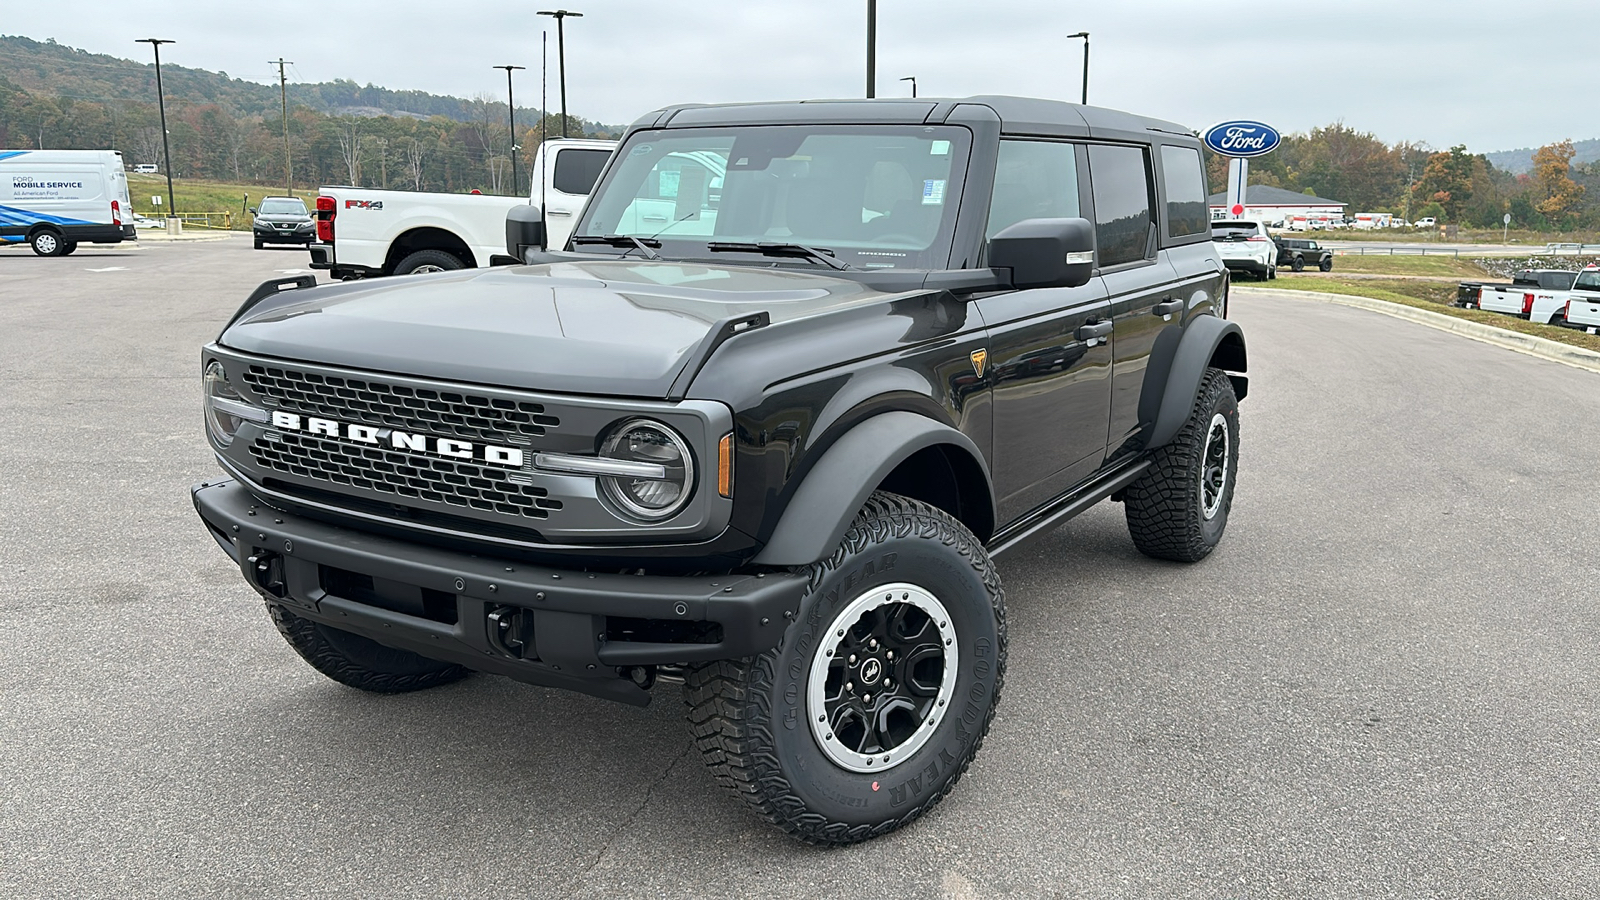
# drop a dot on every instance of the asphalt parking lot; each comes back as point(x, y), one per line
point(1382, 684)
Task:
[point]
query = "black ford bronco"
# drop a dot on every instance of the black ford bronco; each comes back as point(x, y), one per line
point(803, 372)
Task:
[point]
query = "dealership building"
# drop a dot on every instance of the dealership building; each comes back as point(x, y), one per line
point(1278, 207)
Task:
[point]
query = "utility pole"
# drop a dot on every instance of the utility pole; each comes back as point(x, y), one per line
point(872, 49)
point(561, 55)
point(283, 95)
point(161, 102)
point(913, 80)
point(511, 110)
point(1085, 36)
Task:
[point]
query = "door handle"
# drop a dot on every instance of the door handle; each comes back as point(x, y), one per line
point(1167, 307)
point(1094, 330)
point(558, 212)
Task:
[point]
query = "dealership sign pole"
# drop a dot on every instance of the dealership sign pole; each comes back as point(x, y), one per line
point(1240, 141)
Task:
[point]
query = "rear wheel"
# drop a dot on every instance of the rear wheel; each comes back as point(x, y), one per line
point(353, 660)
point(882, 690)
point(424, 261)
point(48, 243)
point(1179, 507)
point(1298, 264)
point(67, 247)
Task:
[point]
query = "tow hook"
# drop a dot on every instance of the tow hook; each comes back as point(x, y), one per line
point(511, 631)
point(266, 571)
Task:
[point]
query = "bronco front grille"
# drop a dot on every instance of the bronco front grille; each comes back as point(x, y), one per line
point(459, 483)
point(373, 402)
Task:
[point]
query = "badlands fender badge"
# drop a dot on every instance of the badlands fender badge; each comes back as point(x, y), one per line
point(978, 357)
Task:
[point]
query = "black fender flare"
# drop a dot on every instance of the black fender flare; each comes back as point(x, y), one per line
point(838, 485)
point(1198, 343)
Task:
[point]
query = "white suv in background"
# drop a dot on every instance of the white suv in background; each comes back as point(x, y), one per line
point(1246, 247)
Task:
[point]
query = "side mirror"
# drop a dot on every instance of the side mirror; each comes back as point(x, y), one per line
point(1045, 252)
point(252, 210)
point(524, 230)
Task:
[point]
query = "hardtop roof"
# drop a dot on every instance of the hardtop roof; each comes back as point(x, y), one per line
point(1017, 115)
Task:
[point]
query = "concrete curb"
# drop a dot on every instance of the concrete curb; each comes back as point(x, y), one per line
point(1554, 351)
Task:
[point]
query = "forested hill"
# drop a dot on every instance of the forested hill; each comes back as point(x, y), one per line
point(56, 70)
point(1520, 161)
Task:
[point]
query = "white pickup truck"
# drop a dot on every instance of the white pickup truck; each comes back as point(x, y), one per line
point(1538, 295)
point(1583, 306)
point(363, 232)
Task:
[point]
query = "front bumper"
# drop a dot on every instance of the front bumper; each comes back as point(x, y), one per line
point(284, 237)
point(555, 627)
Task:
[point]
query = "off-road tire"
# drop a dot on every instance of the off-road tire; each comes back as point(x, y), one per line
point(750, 718)
point(1326, 265)
point(428, 261)
point(1298, 264)
point(1165, 510)
point(353, 660)
point(47, 242)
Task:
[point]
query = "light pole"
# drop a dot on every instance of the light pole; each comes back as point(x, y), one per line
point(1085, 36)
point(166, 151)
point(511, 110)
point(872, 49)
point(913, 80)
point(561, 55)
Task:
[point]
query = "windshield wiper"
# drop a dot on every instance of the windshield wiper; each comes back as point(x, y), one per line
point(795, 251)
point(622, 240)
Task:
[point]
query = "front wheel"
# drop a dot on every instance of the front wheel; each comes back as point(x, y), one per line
point(1326, 265)
point(882, 690)
point(48, 243)
point(1179, 507)
point(358, 662)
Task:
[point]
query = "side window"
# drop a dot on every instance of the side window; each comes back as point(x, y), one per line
point(1121, 202)
point(578, 170)
point(1186, 191)
point(1033, 180)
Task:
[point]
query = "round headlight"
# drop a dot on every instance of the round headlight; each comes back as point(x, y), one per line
point(663, 454)
point(222, 423)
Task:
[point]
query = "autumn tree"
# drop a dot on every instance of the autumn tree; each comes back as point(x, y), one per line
point(1447, 181)
point(1557, 192)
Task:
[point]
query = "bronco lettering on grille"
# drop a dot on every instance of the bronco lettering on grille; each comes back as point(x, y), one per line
point(509, 457)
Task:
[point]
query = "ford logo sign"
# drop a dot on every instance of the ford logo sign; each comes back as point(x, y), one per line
point(1242, 139)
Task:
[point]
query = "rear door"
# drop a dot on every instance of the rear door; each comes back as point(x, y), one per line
point(572, 175)
point(1049, 353)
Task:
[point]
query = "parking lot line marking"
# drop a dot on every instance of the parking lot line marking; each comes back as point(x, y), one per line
point(109, 269)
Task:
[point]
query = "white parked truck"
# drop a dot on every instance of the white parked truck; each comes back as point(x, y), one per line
point(362, 232)
point(1583, 306)
point(1538, 295)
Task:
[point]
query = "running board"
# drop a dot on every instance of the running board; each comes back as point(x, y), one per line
point(1044, 519)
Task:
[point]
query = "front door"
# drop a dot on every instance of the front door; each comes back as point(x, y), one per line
point(1049, 349)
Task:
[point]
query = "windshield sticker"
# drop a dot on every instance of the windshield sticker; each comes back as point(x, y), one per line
point(940, 148)
point(933, 192)
point(642, 150)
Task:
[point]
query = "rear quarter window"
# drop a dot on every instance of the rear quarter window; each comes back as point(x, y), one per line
point(1186, 191)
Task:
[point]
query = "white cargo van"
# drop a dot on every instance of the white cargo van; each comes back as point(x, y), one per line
point(57, 199)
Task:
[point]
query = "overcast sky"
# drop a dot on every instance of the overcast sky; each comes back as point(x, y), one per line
point(1492, 75)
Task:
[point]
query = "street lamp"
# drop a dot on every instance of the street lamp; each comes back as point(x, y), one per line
point(561, 54)
point(1085, 36)
point(913, 80)
point(872, 49)
point(511, 110)
point(166, 151)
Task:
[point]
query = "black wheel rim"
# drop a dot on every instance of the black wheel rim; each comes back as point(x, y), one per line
point(1214, 466)
point(882, 678)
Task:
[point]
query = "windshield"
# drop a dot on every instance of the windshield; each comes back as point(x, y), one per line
point(876, 196)
point(283, 206)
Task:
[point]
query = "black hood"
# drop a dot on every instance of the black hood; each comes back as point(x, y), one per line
point(611, 327)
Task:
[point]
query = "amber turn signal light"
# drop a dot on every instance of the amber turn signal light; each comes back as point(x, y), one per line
point(725, 466)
